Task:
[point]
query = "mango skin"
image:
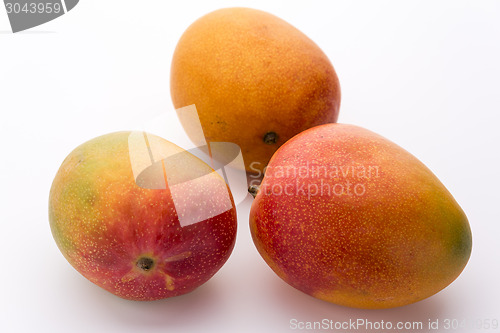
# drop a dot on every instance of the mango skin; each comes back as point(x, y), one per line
point(403, 240)
point(250, 73)
point(104, 223)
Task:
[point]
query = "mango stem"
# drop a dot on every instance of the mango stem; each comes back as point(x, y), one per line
point(253, 190)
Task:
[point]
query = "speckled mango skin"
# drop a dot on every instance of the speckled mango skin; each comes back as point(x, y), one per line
point(249, 73)
point(403, 240)
point(103, 223)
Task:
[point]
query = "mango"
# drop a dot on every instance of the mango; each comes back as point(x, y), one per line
point(255, 80)
point(141, 217)
point(351, 218)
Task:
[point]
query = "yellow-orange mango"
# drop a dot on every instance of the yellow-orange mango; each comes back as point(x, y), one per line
point(255, 79)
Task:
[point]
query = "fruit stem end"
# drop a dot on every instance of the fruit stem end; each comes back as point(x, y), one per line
point(145, 263)
point(253, 190)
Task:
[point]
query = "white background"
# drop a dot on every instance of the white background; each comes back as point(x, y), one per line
point(425, 74)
